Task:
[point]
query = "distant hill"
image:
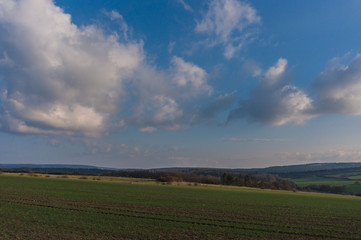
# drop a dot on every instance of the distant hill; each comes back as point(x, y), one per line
point(304, 167)
point(57, 168)
point(301, 168)
point(38, 166)
point(339, 178)
point(277, 169)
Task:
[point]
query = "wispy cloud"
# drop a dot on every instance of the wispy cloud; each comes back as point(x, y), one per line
point(185, 5)
point(254, 140)
point(331, 155)
point(171, 47)
point(147, 129)
point(228, 22)
point(118, 18)
point(251, 68)
point(131, 154)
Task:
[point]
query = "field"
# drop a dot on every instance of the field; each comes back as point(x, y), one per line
point(47, 207)
point(349, 181)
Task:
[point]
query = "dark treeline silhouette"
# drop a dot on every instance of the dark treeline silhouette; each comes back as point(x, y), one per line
point(265, 181)
point(166, 176)
point(234, 178)
point(192, 175)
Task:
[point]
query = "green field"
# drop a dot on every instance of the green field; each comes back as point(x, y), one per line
point(302, 182)
point(57, 208)
point(351, 183)
point(356, 177)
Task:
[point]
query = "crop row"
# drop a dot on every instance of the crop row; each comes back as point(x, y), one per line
point(231, 224)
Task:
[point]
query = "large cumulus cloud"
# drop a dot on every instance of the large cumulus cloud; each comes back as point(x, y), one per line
point(176, 98)
point(58, 78)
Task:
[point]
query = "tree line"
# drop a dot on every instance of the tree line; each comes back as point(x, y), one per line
point(258, 181)
point(203, 176)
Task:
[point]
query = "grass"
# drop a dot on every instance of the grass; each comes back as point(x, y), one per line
point(71, 208)
point(75, 177)
point(356, 177)
point(350, 183)
point(321, 181)
point(343, 174)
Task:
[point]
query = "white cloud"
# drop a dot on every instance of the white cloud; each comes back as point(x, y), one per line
point(63, 78)
point(58, 78)
point(251, 68)
point(171, 47)
point(5, 60)
point(331, 155)
point(185, 5)
point(165, 109)
point(114, 15)
point(275, 101)
point(118, 18)
point(339, 88)
point(155, 100)
point(166, 99)
point(190, 77)
point(228, 22)
point(19, 126)
point(255, 140)
point(275, 73)
point(147, 129)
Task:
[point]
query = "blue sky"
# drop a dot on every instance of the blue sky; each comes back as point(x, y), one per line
point(142, 84)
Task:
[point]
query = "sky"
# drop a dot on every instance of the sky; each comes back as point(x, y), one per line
point(180, 83)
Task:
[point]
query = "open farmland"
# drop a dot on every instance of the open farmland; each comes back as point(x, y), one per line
point(56, 208)
point(349, 178)
point(351, 185)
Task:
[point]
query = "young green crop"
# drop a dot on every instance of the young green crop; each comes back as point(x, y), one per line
point(56, 208)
